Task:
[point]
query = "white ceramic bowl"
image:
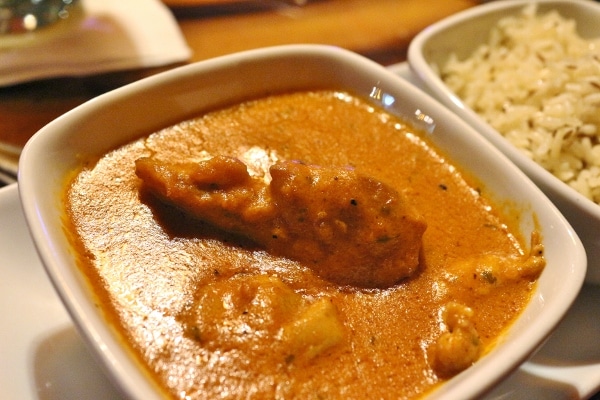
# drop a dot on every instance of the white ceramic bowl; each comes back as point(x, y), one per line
point(461, 34)
point(119, 116)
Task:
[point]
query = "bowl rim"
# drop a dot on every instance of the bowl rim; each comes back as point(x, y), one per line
point(113, 355)
point(420, 66)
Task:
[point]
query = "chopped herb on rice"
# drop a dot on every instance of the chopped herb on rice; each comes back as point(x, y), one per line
point(537, 82)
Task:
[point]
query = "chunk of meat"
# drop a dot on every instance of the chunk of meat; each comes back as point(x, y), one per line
point(349, 228)
point(482, 272)
point(317, 329)
point(459, 346)
point(250, 309)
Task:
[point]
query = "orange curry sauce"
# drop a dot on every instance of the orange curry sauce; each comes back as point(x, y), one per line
point(212, 315)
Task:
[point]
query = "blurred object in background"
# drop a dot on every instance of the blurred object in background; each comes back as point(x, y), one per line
point(212, 8)
point(9, 158)
point(22, 16)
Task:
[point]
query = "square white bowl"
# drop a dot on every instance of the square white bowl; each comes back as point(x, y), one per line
point(461, 34)
point(162, 100)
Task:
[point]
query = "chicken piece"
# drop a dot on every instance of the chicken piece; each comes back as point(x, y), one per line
point(247, 311)
point(459, 346)
point(315, 330)
point(483, 272)
point(348, 228)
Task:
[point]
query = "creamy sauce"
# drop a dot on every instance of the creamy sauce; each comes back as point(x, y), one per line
point(155, 269)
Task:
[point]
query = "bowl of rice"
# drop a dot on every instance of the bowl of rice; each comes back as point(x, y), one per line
point(526, 75)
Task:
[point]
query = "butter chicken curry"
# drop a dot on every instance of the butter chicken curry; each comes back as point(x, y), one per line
point(306, 245)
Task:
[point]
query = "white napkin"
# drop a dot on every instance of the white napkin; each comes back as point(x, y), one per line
point(108, 35)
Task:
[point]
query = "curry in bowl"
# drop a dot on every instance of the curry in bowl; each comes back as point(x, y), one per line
point(319, 228)
point(301, 245)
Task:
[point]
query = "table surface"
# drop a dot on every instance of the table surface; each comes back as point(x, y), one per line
point(380, 30)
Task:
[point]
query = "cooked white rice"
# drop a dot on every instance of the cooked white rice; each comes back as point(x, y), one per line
point(538, 83)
